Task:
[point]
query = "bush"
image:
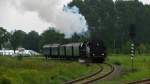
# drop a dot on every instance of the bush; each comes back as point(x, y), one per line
point(5, 80)
point(117, 63)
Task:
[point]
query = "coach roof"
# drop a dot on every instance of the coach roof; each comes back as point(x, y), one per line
point(51, 45)
point(72, 44)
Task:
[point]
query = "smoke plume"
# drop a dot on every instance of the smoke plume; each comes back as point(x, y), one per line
point(55, 12)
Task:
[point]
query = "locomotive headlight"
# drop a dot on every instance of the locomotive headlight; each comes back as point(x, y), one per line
point(103, 54)
point(97, 44)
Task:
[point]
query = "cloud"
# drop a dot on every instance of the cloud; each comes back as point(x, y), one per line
point(145, 1)
point(12, 19)
point(52, 11)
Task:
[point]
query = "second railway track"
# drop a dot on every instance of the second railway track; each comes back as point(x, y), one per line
point(104, 71)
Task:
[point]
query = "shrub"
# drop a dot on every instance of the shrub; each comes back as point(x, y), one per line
point(117, 63)
point(5, 80)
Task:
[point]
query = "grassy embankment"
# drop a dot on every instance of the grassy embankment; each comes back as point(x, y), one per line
point(141, 68)
point(40, 71)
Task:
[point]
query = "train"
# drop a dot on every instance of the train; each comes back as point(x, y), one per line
point(91, 51)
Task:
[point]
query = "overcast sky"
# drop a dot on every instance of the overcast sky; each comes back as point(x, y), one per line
point(145, 1)
point(38, 15)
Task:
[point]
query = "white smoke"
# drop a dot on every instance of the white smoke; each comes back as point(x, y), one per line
point(56, 12)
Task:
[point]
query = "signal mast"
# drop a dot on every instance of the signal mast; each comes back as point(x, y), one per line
point(132, 35)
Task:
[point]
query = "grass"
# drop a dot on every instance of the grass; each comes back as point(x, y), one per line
point(141, 68)
point(40, 71)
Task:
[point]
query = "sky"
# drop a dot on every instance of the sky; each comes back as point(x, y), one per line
point(145, 1)
point(38, 15)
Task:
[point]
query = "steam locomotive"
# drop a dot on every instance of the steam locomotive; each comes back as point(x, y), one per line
point(87, 51)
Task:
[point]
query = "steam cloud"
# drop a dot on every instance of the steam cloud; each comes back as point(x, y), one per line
point(38, 15)
point(56, 12)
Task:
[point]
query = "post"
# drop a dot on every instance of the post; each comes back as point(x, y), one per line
point(132, 54)
point(132, 35)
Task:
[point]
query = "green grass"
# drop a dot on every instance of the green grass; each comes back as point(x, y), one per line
point(40, 71)
point(141, 68)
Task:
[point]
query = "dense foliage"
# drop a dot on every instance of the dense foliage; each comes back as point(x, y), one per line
point(110, 21)
point(33, 40)
point(4, 36)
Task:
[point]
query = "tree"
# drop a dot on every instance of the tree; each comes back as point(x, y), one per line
point(32, 41)
point(51, 36)
point(79, 37)
point(17, 39)
point(110, 21)
point(75, 37)
point(4, 36)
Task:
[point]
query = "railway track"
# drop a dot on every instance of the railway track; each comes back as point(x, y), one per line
point(103, 72)
point(146, 81)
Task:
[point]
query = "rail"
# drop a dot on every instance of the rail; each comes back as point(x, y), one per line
point(93, 77)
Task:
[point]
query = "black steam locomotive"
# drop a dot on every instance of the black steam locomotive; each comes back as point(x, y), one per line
point(86, 51)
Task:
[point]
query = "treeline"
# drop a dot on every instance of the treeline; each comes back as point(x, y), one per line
point(33, 40)
point(110, 21)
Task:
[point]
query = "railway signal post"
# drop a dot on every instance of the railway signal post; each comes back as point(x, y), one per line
point(132, 54)
point(132, 37)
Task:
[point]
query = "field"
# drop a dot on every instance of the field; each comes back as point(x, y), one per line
point(141, 68)
point(40, 71)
